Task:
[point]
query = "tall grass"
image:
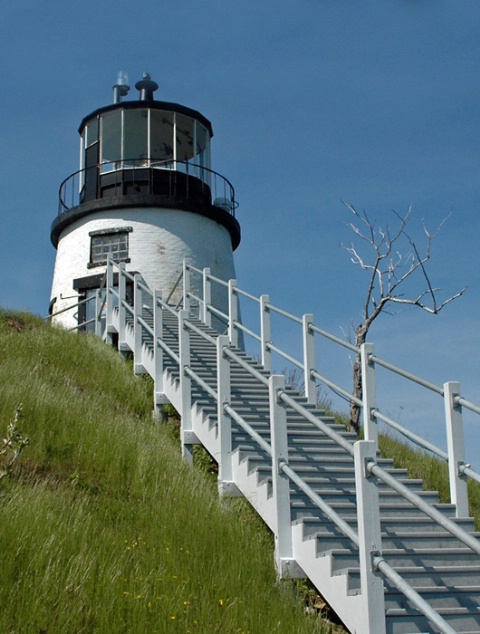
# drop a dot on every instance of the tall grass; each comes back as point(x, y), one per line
point(103, 528)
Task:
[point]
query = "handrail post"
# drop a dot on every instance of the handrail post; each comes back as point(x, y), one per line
point(109, 329)
point(369, 393)
point(226, 485)
point(456, 448)
point(265, 332)
point(284, 561)
point(232, 313)
point(138, 367)
point(185, 385)
point(369, 536)
point(309, 358)
point(207, 298)
point(122, 313)
point(159, 395)
point(186, 286)
point(98, 319)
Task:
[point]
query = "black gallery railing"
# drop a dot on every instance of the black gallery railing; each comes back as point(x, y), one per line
point(175, 180)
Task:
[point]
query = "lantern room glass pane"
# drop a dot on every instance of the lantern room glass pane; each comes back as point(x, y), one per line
point(91, 133)
point(161, 135)
point(111, 137)
point(135, 141)
point(202, 143)
point(184, 137)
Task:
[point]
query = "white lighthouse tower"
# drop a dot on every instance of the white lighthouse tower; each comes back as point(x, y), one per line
point(145, 194)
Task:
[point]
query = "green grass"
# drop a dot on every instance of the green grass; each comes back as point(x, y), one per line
point(103, 528)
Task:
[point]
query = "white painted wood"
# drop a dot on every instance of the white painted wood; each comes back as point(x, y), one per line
point(98, 321)
point(226, 485)
point(138, 366)
point(232, 314)
point(284, 560)
point(122, 296)
point(159, 397)
point(207, 297)
point(370, 540)
point(187, 287)
point(265, 332)
point(185, 385)
point(309, 358)
point(110, 303)
point(370, 427)
point(456, 448)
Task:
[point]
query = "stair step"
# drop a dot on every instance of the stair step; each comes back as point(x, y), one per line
point(421, 558)
point(393, 527)
point(409, 542)
point(386, 496)
point(440, 598)
point(443, 576)
point(332, 472)
point(410, 621)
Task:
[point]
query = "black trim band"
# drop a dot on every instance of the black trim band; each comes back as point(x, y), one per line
point(217, 214)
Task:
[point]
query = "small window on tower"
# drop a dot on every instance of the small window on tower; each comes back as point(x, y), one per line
point(109, 243)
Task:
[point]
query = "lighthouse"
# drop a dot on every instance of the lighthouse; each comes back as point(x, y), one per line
point(145, 194)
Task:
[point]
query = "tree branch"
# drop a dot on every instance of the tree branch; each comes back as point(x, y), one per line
point(389, 273)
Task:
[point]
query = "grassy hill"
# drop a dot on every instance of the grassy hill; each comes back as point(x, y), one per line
point(103, 528)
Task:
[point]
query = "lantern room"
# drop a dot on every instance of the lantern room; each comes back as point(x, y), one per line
point(136, 135)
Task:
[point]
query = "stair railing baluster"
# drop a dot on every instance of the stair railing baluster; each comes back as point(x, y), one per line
point(369, 396)
point(109, 329)
point(159, 394)
point(309, 358)
point(98, 306)
point(284, 560)
point(456, 448)
point(232, 313)
point(265, 332)
point(185, 386)
point(138, 367)
point(369, 538)
point(206, 315)
point(122, 296)
point(186, 286)
point(226, 485)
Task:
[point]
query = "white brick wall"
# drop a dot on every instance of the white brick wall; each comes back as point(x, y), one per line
point(159, 241)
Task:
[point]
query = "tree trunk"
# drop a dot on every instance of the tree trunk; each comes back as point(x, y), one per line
point(356, 410)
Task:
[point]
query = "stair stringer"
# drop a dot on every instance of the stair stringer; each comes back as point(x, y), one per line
point(145, 364)
point(348, 604)
point(256, 491)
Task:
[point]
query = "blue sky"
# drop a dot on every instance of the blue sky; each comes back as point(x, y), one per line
point(312, 103)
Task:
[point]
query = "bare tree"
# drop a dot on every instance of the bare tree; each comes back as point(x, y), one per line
point(395, 276)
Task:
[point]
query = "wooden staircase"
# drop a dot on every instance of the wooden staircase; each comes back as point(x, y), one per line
point(437, 565)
